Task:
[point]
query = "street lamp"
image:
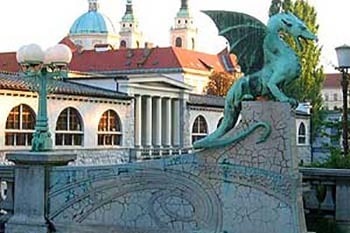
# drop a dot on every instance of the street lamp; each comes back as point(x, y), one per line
point(40, 68)
point(343, 55)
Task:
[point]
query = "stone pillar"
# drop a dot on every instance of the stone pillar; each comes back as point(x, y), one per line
point(148, 123)
point(167, 123)
point(342, 213)
point(157, 123)
point(138, 120)
point(176, 122)
point(31, 189)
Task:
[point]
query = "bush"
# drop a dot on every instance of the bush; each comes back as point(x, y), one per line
point(335, 160)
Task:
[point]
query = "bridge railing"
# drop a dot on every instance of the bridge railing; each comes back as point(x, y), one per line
point(6, 194)
point(326, 194)
point(139, 154)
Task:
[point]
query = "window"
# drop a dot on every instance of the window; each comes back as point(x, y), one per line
point(335, 97)
point(178, 42)
point(20, 125)
point(109, 129)
point(326, 97)
point(69, 130)
point(302, 134)
point(122, 44)
point(199, 129)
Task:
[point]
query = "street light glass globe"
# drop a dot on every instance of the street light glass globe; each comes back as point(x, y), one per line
point(58, 54)
point(31, 54)
point(20, 54)
point(343, 55)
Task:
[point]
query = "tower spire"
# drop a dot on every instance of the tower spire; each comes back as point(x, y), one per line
point(129, 9)
point(184, 5)
point(93, 5)
point(184, 32)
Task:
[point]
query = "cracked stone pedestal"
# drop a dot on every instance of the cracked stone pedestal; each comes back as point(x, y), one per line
point(262, 183)
point(31, 186)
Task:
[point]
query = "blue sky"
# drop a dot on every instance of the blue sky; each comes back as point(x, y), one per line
point(45, 21)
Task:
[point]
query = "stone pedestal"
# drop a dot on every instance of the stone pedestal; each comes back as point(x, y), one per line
point(260, 182)
point(31, 185)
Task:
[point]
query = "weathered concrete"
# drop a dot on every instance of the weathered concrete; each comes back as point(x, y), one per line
point(244, 187)
point(30, 198)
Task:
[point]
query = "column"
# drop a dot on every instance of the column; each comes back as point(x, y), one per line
point(148, 122)
point(167, 123)
point(157, 123)
point(342, 205)
point(138, 120)
point(176, 122)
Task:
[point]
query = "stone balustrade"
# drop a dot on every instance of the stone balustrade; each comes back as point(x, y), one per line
point(326, 195)
point(139, 154)
point(326, 192)
point(6, 194)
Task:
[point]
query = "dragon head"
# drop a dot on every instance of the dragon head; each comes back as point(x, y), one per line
point(291, 24)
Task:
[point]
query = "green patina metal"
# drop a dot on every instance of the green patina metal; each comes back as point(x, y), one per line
point(40, 82)
point(267, 60)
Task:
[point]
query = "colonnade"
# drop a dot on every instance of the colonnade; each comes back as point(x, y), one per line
point(157, 122)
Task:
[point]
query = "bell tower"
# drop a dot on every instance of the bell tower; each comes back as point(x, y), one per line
point(184, 32)
point(130, 34)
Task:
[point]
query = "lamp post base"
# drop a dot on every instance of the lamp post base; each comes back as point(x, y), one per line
point(31, 188)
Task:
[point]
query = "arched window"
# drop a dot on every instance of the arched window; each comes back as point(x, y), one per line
point(178, 42)
point(193, 44)
point(109, 129)
point(122, 44)
point(20, 125)
point(219, 122)
point(69, 128)
point(199, 129)
point(302, 134)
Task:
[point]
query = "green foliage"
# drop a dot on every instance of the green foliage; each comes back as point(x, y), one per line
point(275, 7)
point(322, 225)
point(308, 87)
point(336, 160)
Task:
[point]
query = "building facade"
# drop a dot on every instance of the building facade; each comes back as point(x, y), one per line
point(123, 101)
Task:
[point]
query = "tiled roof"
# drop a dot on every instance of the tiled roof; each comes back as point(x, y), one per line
point(332, 81)
point(19, 83)
point(145, 60)
point(142, 60)
point(207, 100)
point(8, 62)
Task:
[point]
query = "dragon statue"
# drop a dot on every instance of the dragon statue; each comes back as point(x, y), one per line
point(268, 61)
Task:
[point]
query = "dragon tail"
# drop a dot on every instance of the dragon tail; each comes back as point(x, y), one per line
point(226, 125)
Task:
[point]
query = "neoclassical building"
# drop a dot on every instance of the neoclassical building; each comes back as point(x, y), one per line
point(124, 99)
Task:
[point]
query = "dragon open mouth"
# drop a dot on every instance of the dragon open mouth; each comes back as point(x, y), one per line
point(306, 40)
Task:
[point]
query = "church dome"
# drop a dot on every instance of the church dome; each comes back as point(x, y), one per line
point(92, 22)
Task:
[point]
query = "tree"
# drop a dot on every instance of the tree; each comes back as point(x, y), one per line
point(219, 83)
point(309, 85)
point(275, 7)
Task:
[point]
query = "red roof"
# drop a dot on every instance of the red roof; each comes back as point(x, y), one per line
point(8, 62)
point(142, 59)
point(145, 59)
point(332, 81)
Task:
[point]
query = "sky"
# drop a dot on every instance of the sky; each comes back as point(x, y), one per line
point(46, 22)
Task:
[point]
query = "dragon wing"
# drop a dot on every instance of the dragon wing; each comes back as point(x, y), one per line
point(245, 35)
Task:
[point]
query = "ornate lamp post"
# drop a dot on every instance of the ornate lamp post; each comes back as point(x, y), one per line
point(343, 55)
point(40, 68)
